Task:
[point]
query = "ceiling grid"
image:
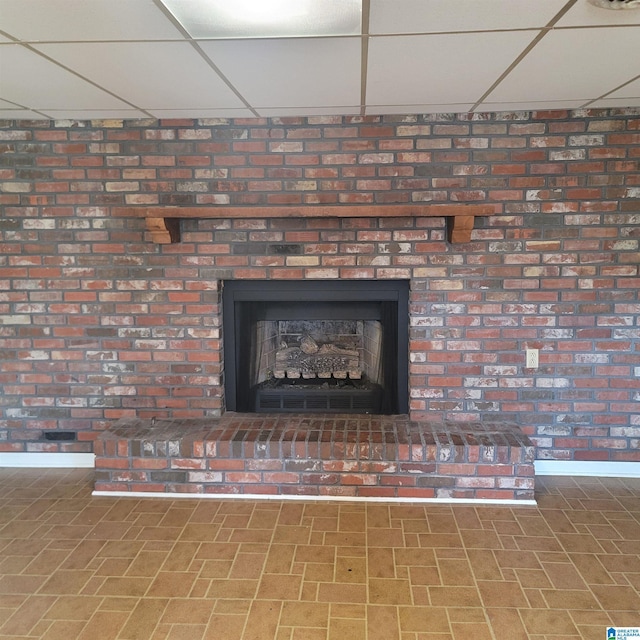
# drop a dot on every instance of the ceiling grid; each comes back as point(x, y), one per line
point(129, 59)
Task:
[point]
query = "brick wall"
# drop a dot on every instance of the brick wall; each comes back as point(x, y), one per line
point(99, 323)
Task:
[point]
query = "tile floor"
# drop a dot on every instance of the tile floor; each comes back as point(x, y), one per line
point(101, 568)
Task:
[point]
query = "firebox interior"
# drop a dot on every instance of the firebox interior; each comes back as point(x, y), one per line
point(314, 346)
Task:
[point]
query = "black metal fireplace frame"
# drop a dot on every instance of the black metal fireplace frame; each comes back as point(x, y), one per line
point(242, 300)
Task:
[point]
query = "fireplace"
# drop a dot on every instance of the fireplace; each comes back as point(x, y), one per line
point(316, 387)
point(316, 346)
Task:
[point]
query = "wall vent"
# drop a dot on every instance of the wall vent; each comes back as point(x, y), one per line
point(615, 4)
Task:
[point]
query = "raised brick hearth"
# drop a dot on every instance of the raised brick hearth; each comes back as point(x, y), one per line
point(320, 455)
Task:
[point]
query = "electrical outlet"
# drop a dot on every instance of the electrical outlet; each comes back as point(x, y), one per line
point(532, 359)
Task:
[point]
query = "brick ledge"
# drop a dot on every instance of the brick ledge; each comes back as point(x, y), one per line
point(331, 455)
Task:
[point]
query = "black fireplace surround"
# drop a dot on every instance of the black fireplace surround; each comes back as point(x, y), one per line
point(264, 317)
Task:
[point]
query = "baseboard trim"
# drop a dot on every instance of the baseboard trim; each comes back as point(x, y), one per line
point(37, 460)
point(304, 498)
point(587, 468)
point(590, 468)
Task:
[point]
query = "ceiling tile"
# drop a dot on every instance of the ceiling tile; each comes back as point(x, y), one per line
point(308, 111)
point(19, 114)
point(607, 103)
point(418, 108)
point(301, 72)
point(196, 114)
point(573, 64)
point(170, 75)
point(433, 16)
point(30, 80)
point(439, 69)
point(267, 19)
point(631, 90)
point(584, 14)
point(96, 114)
point(13, 111)
point(66, 20)
point(529, 106)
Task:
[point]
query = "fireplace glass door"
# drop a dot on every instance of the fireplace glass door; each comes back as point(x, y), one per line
point(314, 346)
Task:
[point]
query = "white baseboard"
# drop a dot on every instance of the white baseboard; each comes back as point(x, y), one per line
point(305, 498)
point(590, 468)
point(37, 460)
point(596, 469)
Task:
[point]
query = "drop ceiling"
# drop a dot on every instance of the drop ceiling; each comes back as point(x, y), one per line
point(103, 59)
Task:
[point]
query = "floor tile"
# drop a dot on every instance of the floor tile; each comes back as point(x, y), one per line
point(111, 568)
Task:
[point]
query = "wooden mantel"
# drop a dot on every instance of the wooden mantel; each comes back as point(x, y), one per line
point(164, 222)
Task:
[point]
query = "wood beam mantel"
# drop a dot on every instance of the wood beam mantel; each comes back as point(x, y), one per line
point(163, 223)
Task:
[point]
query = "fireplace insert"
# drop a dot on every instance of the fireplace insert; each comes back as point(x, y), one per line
point(316, 346)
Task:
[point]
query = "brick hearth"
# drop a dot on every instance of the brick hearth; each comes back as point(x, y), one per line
point(318, 455)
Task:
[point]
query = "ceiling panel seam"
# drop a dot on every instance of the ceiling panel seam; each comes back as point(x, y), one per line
point(83, 78)
point(198, 49)
point(543, 32)
point(364, 55)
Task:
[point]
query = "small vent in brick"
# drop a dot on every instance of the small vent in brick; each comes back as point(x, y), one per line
point(60, 435)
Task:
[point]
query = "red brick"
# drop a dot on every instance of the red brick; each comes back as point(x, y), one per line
point(416, 493)
point(147, 463)
point(242, 478)
point(281, 478)
point(565, 273)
